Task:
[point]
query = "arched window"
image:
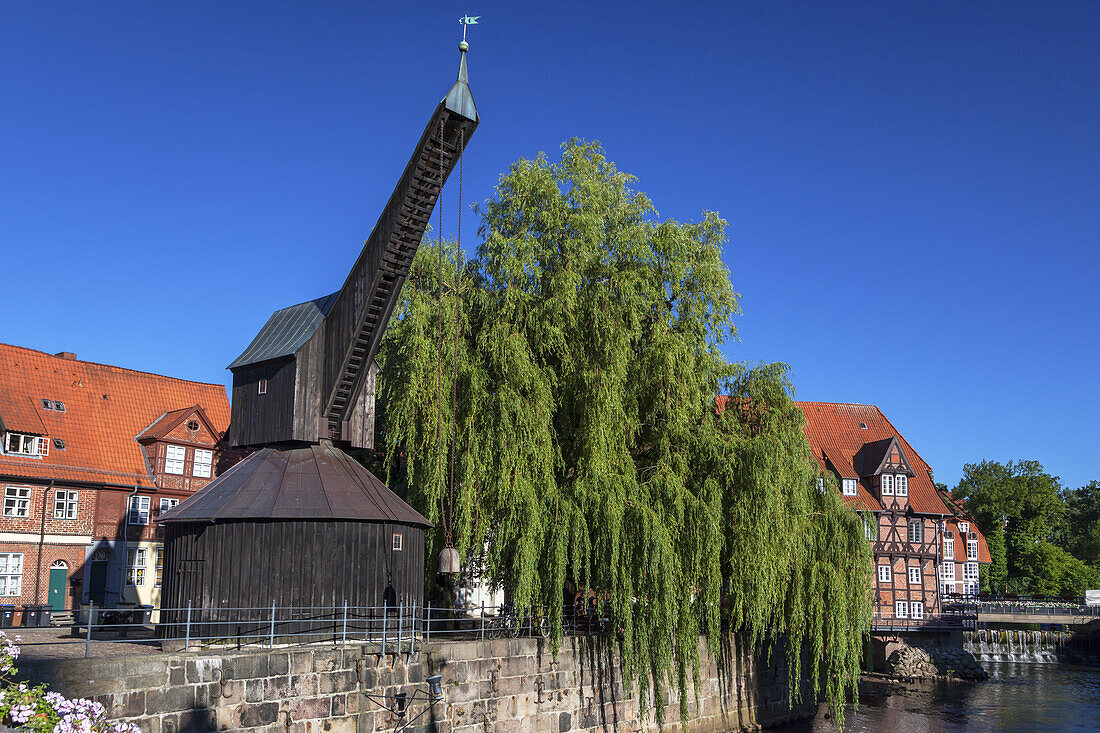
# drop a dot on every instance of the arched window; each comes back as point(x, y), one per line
point(59, 564)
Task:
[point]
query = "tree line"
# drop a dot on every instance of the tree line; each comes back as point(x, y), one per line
point(1044, 537)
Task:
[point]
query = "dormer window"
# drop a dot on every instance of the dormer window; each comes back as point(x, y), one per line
point(173, 459)
point(19, 444)
point(848, 487)
point(902, 485)
point(863, 426)
point(964, 527)
point(886, 484)
point(47, 404)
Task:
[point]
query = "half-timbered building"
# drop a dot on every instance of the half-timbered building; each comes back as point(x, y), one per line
point(908, 523)
point(90, 454)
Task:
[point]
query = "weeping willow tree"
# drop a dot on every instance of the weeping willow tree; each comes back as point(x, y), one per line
point(554, 413)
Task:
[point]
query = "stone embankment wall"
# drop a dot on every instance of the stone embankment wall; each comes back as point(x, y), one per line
point(501, 685)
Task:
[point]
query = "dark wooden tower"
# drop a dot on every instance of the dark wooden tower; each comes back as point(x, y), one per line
point(309, 373)
point(299, 522)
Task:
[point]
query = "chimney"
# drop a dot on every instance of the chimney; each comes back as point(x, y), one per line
point(66, 355)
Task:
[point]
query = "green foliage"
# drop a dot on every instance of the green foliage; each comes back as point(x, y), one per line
point(1030, 521)
point(580, 366)
point(1082, 522)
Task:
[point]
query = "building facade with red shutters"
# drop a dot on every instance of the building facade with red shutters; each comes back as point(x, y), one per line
point(922, 550)
point(89, 455)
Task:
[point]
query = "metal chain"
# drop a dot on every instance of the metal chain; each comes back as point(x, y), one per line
point(439, 322)
point(454, 376)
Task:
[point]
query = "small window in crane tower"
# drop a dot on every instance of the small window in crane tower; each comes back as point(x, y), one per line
point(397, 538)
point(262, 386)
point(863, 426)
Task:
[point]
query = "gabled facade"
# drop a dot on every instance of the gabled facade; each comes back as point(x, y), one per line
point(881, 476)
point(89, 455)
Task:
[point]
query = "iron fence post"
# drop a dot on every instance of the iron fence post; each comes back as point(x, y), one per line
point(400, 625)
point(385, 618)
point(271, 635)
point(427, 623)
point(344, 638)
point(483, 619)
point(88, 637)
point(187, 634)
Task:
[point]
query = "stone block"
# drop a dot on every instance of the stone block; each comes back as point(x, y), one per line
point(465, 692)
point(338, 705)
point(279, 663)
point(249, 716)
point(177, 676)
point(565, 722)
point(282, 688)
point(254, 690)
point(331, 682)
point(196, 721)
point(326, 661)
point(301, 662)
point(310, 708)
point(170, 700)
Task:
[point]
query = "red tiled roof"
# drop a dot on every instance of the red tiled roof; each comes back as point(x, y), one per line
point(106, 407)
point(835, 429)
point(18, 413)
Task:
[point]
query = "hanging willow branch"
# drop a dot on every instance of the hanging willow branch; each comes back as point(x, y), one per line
point(590, 453)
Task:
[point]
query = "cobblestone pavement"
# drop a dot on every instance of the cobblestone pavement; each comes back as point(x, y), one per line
point(58, 642)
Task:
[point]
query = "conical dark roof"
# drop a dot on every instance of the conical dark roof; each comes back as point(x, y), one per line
point(311, 482)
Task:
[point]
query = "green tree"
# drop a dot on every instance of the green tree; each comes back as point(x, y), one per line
point(1018, 506)
point(575, 408)
point(1082, 522)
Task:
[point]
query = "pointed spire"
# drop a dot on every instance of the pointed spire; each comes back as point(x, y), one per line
point(459, 99)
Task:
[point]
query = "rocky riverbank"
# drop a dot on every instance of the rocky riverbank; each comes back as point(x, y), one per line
point(910, 663)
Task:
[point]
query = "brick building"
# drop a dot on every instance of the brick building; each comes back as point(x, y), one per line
point(917, 539)
point(89, 455)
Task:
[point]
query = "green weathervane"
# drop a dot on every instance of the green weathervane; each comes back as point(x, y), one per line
point(466, 20)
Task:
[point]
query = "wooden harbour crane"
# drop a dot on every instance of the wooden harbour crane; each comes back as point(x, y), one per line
point(299, 523)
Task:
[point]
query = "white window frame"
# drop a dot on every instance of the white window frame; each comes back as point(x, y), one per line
point(17, 502)
point(947, 588)
point(886, 484)
point(203, 461)
point(947, 572)
point(972, 549)
point(158, 567)
point(261, 386)
point(139, 510)
point(901, 609)
point(901, 485)
point(21, 444)
point(885, 574)
point(948, 545)
point(970, 572)
point(165, 504)
point(136, 558)
point(964, 527)
point(870, 528)
point(398, 542)
point(174, 458)
point(11, 574)
point(849, 487)
point(914, 575)
point(821, 484)
point(66, 504)
point(916, 609)
point(918, 525)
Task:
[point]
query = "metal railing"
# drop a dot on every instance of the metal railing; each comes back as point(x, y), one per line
point(946, 620)
point(396, 629)
point(1037, 608)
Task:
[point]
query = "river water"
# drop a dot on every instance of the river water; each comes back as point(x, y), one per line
point(1052, 698)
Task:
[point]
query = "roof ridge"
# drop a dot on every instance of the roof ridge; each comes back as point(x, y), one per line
point(109, 366)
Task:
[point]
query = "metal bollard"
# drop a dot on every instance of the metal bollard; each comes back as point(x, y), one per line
point(88, 637)
point(187, 641)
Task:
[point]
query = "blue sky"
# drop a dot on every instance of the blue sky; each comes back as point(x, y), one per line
point(913, 189)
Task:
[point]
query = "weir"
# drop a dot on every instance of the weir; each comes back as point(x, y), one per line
point(1017, 645)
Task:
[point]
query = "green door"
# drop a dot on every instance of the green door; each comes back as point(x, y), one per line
point(58, 579)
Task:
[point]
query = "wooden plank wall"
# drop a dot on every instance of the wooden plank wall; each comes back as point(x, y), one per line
point(322, 564)
point(263, 418)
